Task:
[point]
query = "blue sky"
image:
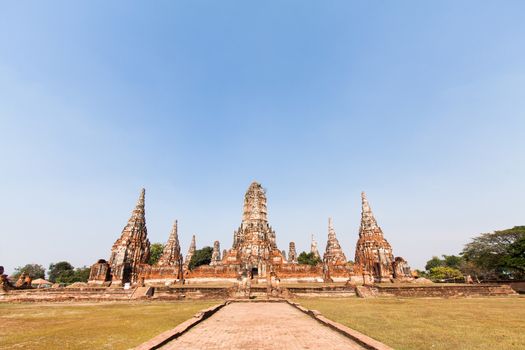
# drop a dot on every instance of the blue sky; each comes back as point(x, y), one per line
point(420, 104)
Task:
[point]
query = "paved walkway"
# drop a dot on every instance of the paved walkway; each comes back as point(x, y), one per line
point(261, 326)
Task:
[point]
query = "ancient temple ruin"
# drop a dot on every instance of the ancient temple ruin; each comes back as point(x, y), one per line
point(216, 254)
point(254, 253)
point(313, 248)
point(373, 253)
point(191, 252)
point(254, 247)
point(171, 254)
point(292, 254)
point(128, 251)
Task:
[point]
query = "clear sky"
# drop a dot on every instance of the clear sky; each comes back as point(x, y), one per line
point(421, 104)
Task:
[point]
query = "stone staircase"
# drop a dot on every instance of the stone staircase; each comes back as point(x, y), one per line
point(366, 291)
point(142, 293)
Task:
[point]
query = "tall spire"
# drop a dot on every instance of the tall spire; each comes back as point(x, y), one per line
point(368, 221)
point(216, 254)
point(133, 247)
point(191, 251)
point(331, 231)
point(171, 253)
point(292, 254)
point(313, 248)
point(254, 210)
point(334, 254)
point(373, 253)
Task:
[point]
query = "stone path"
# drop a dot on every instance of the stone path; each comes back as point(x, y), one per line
point(261, 326)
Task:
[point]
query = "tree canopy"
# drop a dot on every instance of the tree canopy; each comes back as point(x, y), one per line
point(445, 274)
point(499, 254)
point(156, 250)
point(308, 259)
point(59, 269)
point(33, 270)
point(201, 257)
point(64, 272)
point(452, 261)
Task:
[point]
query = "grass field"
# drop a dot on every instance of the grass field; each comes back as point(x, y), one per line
point(90, 326)
point(477, 323)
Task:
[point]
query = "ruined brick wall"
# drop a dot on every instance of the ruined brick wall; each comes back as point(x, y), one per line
point(206, 271)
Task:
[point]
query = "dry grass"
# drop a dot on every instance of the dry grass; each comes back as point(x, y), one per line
point(118, 325)
point(477, 323)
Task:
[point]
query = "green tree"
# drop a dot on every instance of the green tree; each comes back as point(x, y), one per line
point(81, 274)
point(515, 259)
point(453, 261)
point(59, 269)
point(434, 262)
point(308, 259)
point(201, 257)
point(444, 273)
point(491, 253)
point(155, 253)
point(33, 270)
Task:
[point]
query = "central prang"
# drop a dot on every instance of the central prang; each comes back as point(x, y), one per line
point(254, 248)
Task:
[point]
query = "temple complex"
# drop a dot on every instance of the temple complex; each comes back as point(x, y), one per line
point(254, 253)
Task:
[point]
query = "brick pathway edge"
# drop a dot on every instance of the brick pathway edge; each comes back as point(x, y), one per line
point(356, 336)
point(167, 336)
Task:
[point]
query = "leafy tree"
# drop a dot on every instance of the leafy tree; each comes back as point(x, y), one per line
point(308, 259)
point(155, 253)
point(64, 272)
point(453, 261)
point(434, 262)
point(81, 274)
point(440, 273)
point(201, 257)
point(496, 254)
point(515, 258)
point(33, 270)
point(59, 269)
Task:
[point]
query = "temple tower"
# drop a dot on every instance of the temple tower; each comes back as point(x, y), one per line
point(191, 252)
point(313, 248)
point(171, 255)
point(292, 254)
point(373, 254)
point(254, 245)
point(334, 254)
point(132, 248)
point(216, 254)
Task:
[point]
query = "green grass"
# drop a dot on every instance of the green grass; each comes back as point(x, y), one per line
point(118, 325)
point(477, 323)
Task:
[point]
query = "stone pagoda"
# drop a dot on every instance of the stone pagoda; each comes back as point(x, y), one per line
point(254, 245)
point(191, 252)
point(334, 254)
point(373, 253)
point(313, 248)
point(171, 255)
point(216, 254)
point(292, 254)
point(128, 252)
